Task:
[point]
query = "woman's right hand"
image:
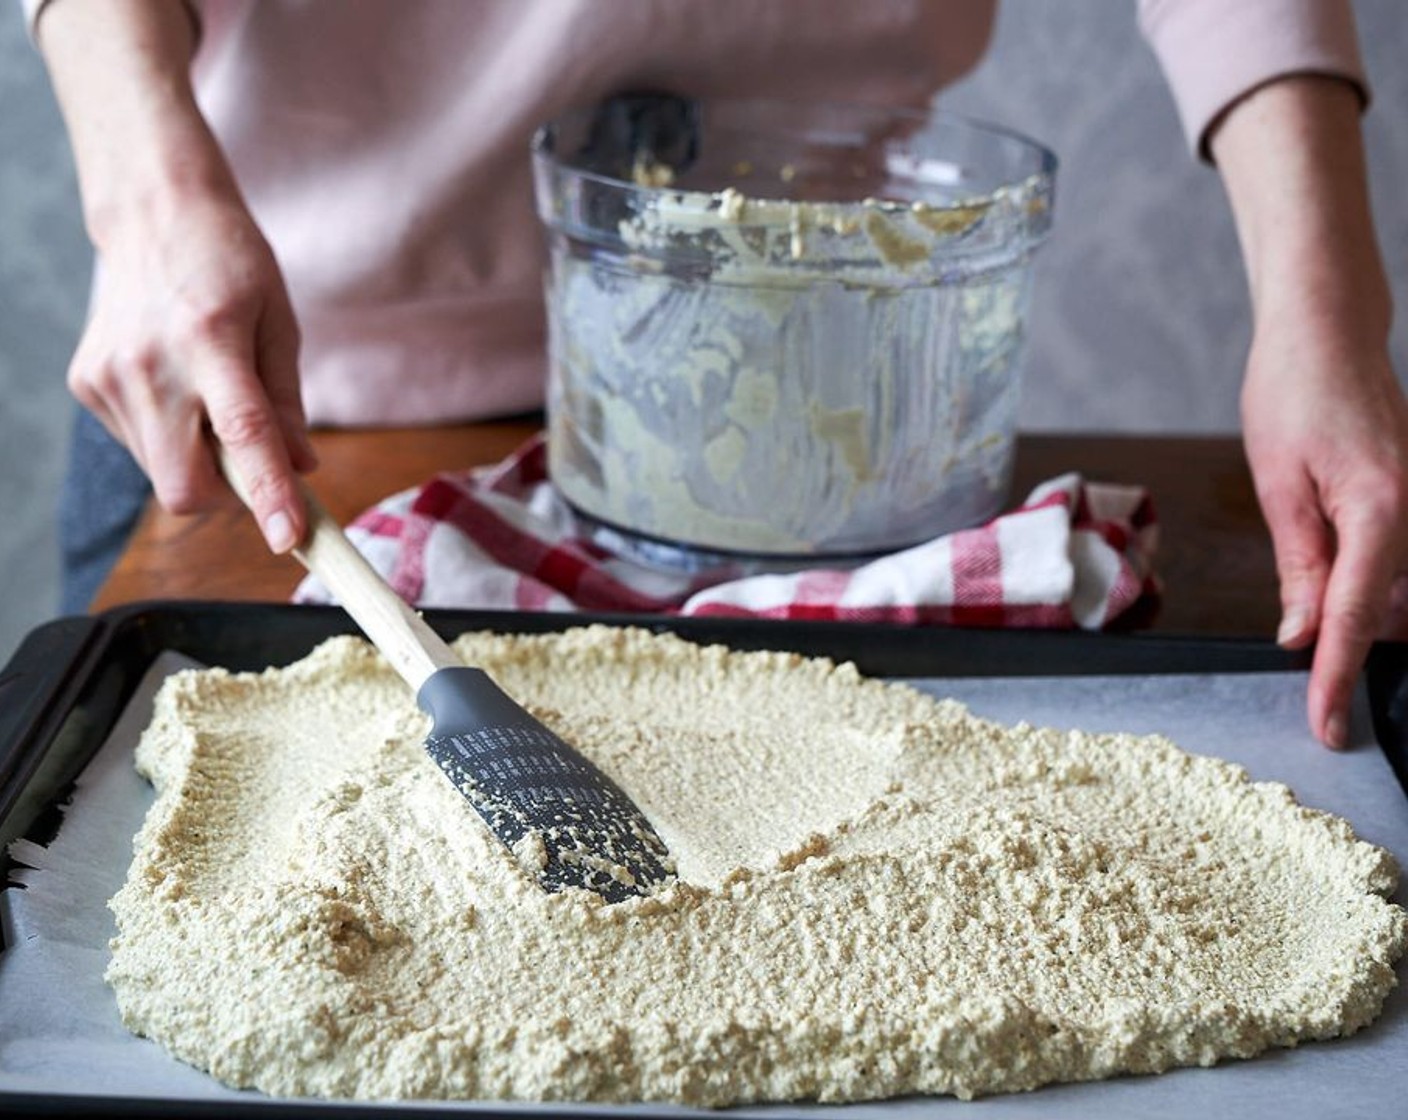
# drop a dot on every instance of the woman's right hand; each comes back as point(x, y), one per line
point(191, 337)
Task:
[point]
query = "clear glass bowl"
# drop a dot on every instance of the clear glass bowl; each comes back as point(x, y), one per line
point(781, 333)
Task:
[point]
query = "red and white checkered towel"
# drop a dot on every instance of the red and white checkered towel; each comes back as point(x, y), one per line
point(1075, 553)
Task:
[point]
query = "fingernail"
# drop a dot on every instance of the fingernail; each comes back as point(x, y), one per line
point(1292, 625)
point(1336, 732)
point(278, 531)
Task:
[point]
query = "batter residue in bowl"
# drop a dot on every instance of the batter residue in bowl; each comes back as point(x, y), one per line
point(879, 894)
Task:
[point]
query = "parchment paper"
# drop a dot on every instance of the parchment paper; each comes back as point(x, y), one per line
point(60, 1032)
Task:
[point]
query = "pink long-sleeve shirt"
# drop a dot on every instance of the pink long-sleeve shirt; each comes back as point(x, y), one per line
point(383, 147)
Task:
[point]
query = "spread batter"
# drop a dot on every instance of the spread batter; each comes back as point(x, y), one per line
point(879, 894)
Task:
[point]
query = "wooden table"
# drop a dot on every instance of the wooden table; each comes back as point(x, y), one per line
point(1214, 556)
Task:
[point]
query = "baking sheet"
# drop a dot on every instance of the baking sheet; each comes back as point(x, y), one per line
point(60, 1034)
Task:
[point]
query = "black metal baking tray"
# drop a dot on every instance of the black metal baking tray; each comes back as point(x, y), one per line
point(69, 680)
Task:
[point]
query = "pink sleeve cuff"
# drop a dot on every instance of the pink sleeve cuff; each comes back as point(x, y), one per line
point(1214, 52)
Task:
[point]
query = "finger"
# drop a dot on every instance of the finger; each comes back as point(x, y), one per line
point(163, 420)
point(1395, 625)
point(177, 459)
point(1303, 543)
point(243, 421)
point(96, 386)
point(156, 426)
point(107, 418)
point(278, 368)
point(1356, 600)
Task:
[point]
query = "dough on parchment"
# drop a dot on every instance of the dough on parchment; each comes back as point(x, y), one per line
point(879, 894)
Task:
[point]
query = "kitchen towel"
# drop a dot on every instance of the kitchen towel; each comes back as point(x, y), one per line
point(1073, 554)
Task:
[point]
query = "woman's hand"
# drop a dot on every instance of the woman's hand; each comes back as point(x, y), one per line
point(1324, 417)
point(191, 336)
point(1326, 431)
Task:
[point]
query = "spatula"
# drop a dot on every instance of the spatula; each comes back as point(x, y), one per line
point(518, 774)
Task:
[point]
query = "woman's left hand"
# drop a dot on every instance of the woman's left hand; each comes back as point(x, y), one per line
point(1324, 417)
point(1326, 429)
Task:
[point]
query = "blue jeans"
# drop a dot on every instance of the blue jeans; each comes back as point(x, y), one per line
point(103, 493)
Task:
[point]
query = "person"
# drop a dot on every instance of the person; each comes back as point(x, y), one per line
point(321, 213)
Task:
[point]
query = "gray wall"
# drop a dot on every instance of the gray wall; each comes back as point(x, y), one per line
point(44, 262)
point(1140, 320)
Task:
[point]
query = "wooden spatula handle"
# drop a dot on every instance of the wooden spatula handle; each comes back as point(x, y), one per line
point(404, 638)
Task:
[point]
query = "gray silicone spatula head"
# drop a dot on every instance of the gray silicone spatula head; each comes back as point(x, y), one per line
point(526, 783)
point(523, 780)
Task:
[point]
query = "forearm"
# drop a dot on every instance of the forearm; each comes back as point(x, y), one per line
point(121, 73)
point(192, 337)
point(1323, 417)
point(1292, 159)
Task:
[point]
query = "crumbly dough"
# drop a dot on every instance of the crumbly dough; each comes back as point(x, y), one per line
point(879, 894)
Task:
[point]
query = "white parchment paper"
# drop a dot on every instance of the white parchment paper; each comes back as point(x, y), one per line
point(60, 1032)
